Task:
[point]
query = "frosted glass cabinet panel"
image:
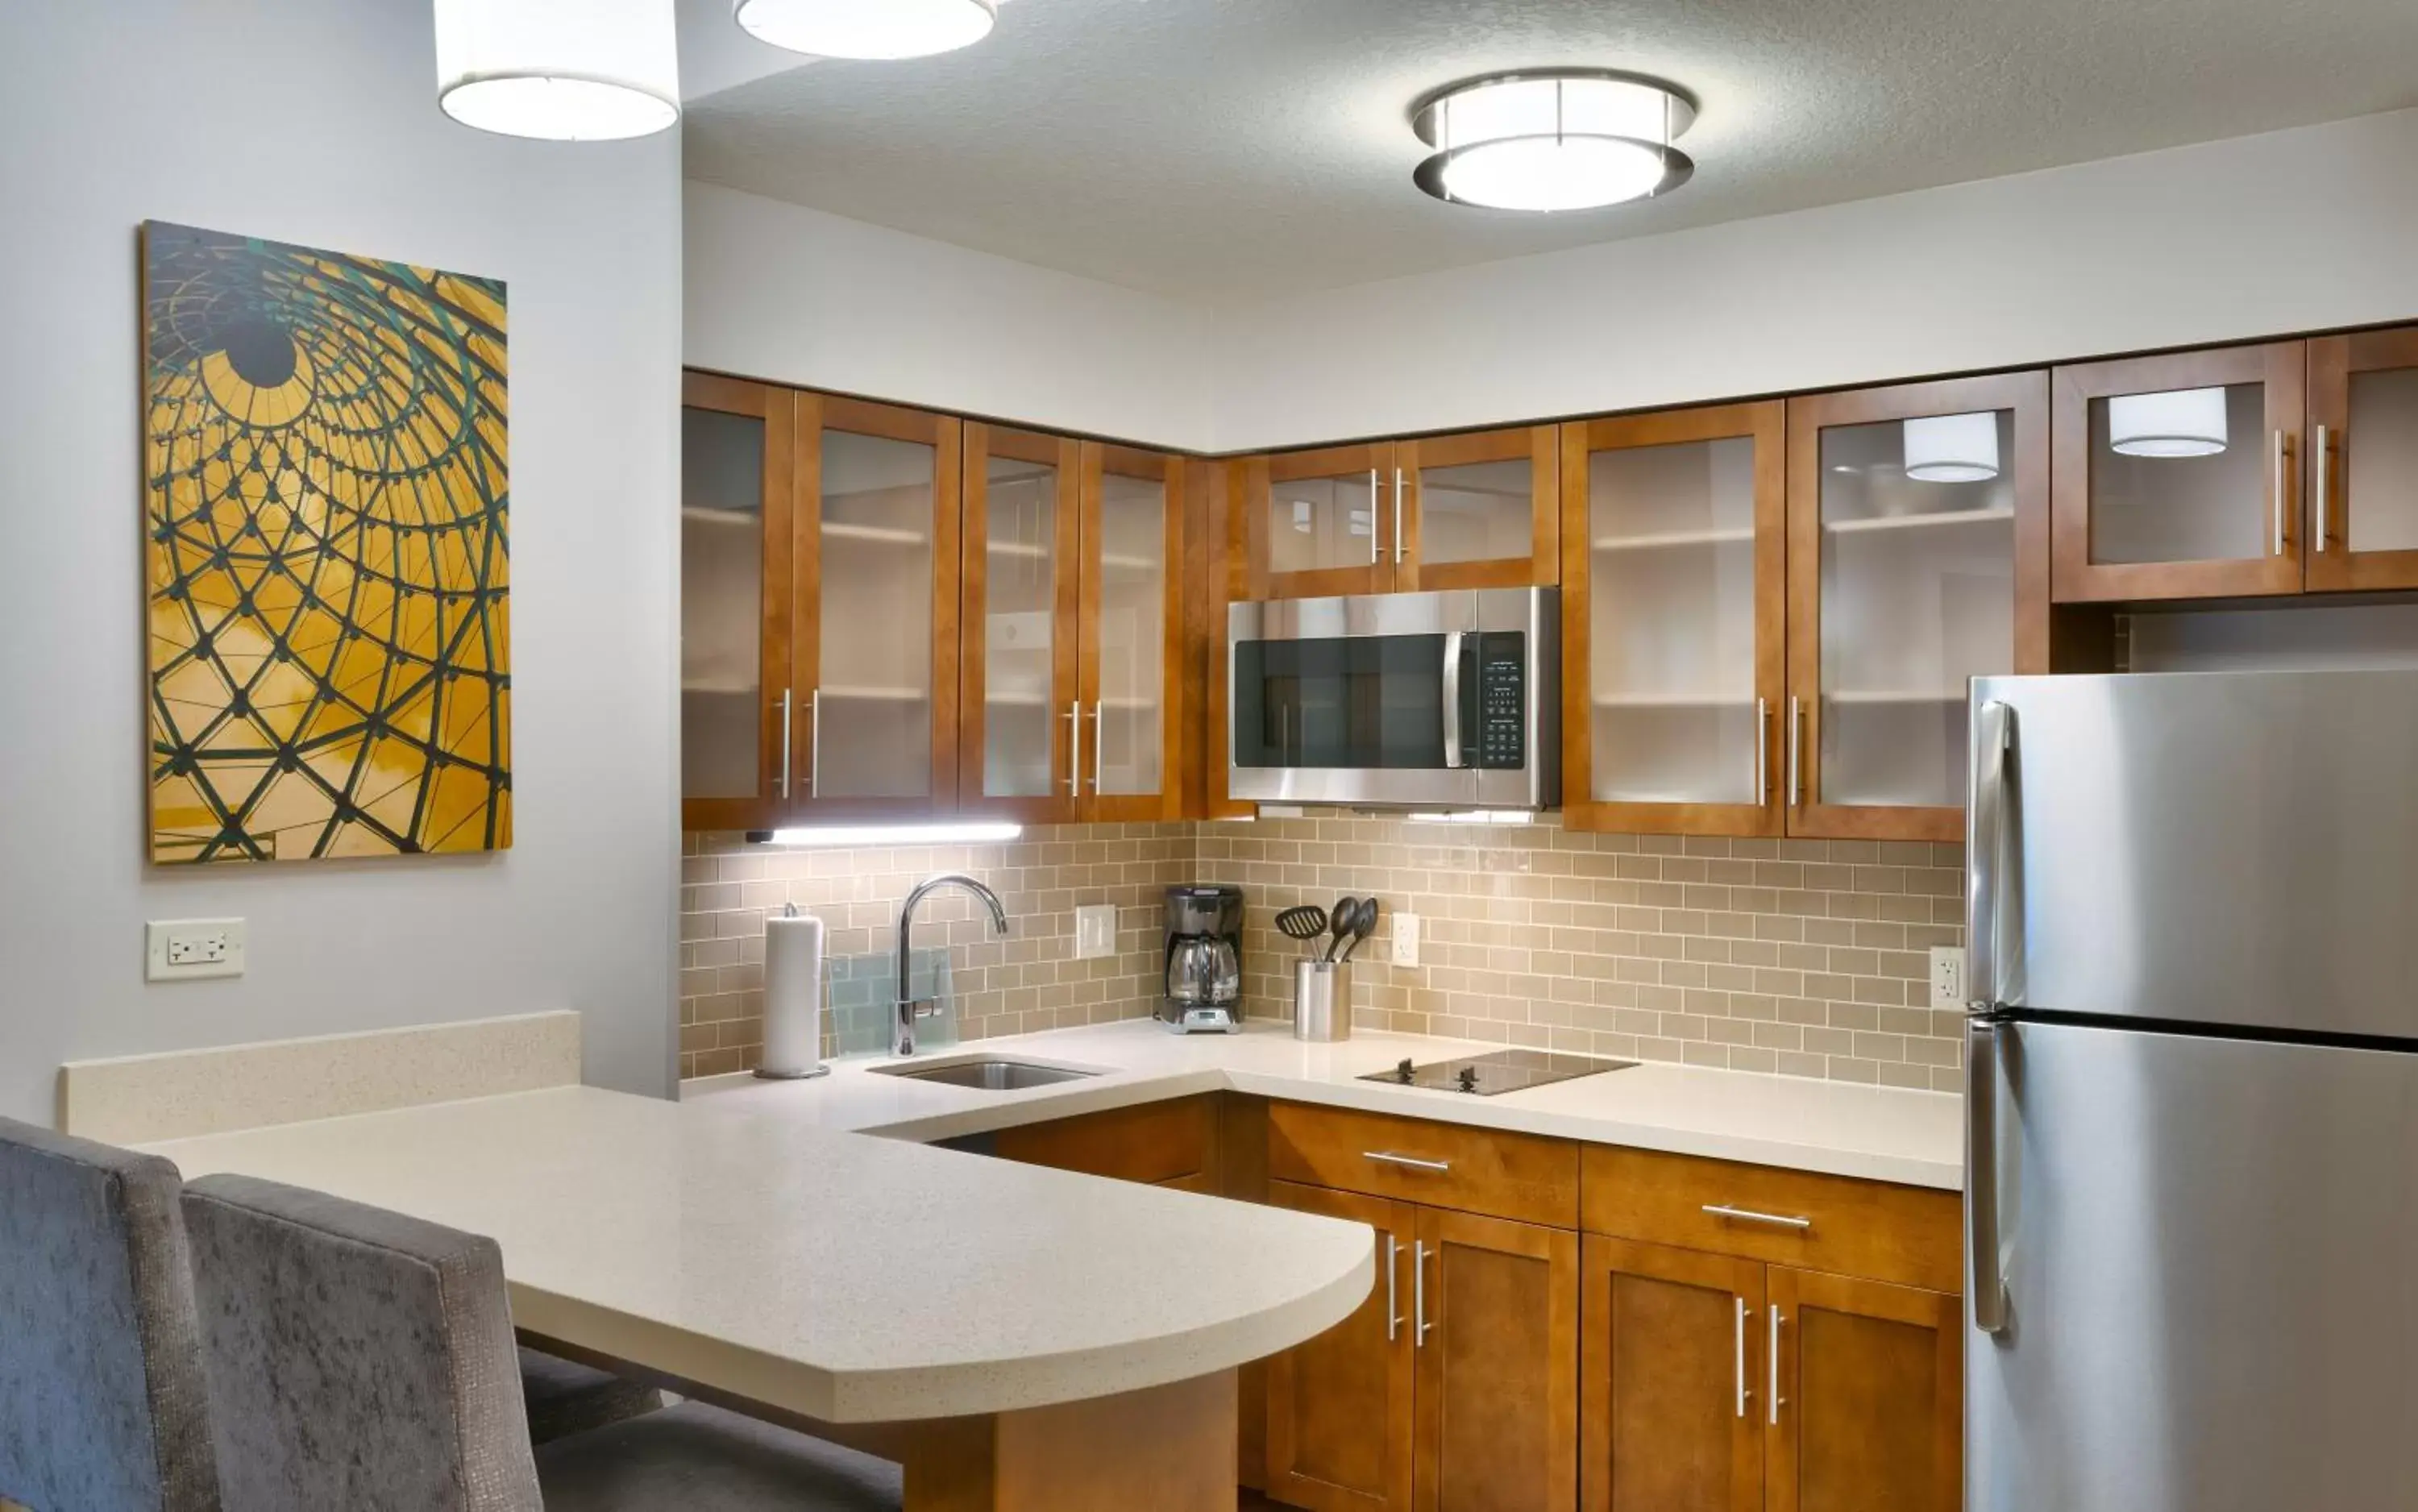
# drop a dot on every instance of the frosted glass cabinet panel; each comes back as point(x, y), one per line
point(1017, 705)
point(1320, 522)
point(1917, 528)
point(1476, 510)
point(1673, 546)
point(735, 518)
point(1132, 633)
point(881, 604)
point(2179, 477)
point(2363, 474)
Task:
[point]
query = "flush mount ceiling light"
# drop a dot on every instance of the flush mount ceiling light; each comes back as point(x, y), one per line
point(1952, 448)
point(2179, 423)
point(1554, 139)
point(867, 28)
point(564, 70)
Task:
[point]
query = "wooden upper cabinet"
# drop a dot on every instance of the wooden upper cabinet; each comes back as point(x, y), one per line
point(1674, 622)
point(1141, 710)
point(1673, 1379)
point(1338, 1406)
point(1317, 524)
point(874, 647)
point(1495, 1326)
point(738, 702)
point(2363, 475)
point(1918, 559)
point(1870, 1380)
point(1019, 724)
point(2178, 477)
point(1477, 510)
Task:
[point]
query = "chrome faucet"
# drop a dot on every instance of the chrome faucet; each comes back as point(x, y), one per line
point(909, 1007)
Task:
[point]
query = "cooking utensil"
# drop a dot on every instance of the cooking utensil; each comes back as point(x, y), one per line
point(1338, 922)
point(1307, 921)
point(1364, 923)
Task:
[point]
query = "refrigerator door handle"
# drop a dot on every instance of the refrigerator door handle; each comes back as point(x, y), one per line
point(1993, 732)
point(1989, 1285)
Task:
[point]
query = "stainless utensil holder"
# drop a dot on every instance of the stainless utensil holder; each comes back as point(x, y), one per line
point(1321, 1001)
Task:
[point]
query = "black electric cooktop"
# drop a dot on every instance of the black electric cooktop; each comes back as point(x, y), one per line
point(1493, 1075)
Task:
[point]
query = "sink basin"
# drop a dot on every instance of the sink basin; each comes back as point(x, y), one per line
point(988, 1074)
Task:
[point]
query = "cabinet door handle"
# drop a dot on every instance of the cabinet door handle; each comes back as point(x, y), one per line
point(2279, 492)
point(1372, 516)
point(786, 698)
point(1739, 1338)
point(1394, 1318)
point(2322, 481)
point(1099, 742)
point(1399, 549)
point(815, 744)
point(1749, 1216)
point(1796, 722)
point(1762, 754)
point(1419, 1253)
point(1772, 1395)
point(1413, 1161)
point(1075, 749)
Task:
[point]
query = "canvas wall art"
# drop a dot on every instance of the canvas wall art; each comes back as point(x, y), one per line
point(330, 648)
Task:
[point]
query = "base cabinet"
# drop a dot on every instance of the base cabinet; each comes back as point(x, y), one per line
point(1669, 1376)
point(1872, 1397)
point(1339, 1406)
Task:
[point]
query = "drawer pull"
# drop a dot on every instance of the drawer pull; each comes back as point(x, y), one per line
point(1779, 1220)
point(1413, 1161)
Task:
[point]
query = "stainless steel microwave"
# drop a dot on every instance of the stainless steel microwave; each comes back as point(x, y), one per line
point(1396, 700)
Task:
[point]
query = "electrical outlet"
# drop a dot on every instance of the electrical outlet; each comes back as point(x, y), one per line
point(185, 950)
point(1095, 931)
point(1948, 976)
point(1406, 940)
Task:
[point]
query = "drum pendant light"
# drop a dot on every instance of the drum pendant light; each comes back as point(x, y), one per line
point(867, 28)
point(564, 70)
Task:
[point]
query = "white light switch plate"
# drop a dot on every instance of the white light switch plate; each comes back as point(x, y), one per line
point(1406, 940)
point(1948, 976)
point(1095, 931)
point(186, 950)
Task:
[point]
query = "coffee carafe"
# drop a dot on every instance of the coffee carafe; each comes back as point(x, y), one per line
point(1203, 990)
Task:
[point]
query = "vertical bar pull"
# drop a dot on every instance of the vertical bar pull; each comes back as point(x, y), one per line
point(2324, 467)
point(1989, 1289)
point(1985, 812)
point(2280, 491)
point(815, 744)
point(1399, 549)
point(1099, 744)
point(1419, 1253)
point(1373, 517)
point(1762, 754)
point(1773, 1348)
point(786, 700)
point(1452, 731)
point(1796, 723)
point(1393, 1287)
point(1075, 749)
point(1739, 1339)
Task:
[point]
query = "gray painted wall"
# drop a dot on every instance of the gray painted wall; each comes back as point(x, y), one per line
point(316, 123)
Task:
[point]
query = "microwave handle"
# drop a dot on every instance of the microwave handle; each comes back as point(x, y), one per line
point(1452, 639)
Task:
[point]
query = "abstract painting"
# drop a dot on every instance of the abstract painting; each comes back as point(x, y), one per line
point(324, 531)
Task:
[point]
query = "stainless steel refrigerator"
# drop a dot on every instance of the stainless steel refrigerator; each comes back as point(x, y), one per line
point(2192, 1097)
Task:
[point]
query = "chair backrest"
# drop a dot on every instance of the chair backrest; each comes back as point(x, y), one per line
point(357, 1358)
point(102, 1405)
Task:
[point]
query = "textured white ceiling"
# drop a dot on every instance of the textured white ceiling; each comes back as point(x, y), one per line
point(1226, 149)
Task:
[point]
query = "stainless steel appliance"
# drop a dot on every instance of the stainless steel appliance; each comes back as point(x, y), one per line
point(1419, 700)
point(1204, 961)
point(2191, 1098)
point(1498, 1072)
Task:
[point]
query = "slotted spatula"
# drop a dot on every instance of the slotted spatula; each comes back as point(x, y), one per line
point(1304, 922)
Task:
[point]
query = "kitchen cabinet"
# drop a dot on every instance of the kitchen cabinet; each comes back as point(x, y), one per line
point(1918, 557)
point(1674, 622)
point(737, 479)
point(1455, 511)
point(1136, 609)
point(2363, 474)
point(1172, 1143)
point(1673, 1350)
point(1870, 1410)
point(1340, 1408)
point(2177, 475)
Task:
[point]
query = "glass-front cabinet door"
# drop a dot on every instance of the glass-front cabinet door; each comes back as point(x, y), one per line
point(2362, 473)
point(1133, 646)
point(2178, 477)
point(1674, 592)
point(1020, 734)
point(877, 606)
point(1319, 524)
point(737, 707)
point(1918, 554)
point(1476, 510)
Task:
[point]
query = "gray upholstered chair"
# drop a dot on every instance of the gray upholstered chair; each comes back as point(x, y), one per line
point(563, 1396)
point(363, 1359)
point(103, 1406)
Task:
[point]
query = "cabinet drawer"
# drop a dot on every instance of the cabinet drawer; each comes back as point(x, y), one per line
point(1152, 1142)
point(1912, 1235)
point(1516, 1176)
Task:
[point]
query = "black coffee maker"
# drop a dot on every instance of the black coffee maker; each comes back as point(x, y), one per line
point(1203, 985)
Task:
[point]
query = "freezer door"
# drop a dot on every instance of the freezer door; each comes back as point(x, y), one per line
point(2211, 1260)
point(2213, 848)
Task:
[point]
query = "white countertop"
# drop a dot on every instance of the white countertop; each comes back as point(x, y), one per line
point(733, 1242)
point(1842, 1128)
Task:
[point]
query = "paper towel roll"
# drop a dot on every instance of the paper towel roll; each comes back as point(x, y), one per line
point(793, 996)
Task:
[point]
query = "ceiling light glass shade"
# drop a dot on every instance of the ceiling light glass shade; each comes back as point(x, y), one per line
point(565, 70)
point(2179, 423)
point(1952, 448)
point(1558, 140)
point(867, 28)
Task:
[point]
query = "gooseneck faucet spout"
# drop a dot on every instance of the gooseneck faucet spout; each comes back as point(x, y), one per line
point(909, 1007)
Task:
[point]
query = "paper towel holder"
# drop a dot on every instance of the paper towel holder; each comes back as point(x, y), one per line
point(817, 1067)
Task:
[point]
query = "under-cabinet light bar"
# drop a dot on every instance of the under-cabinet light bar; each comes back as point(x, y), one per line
point(898, 835)
point(1475, 815)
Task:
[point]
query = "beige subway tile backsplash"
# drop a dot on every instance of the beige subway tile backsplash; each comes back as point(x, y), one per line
point(1798, 957)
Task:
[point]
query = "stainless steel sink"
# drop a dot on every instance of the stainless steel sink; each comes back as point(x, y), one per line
point(988, 1074)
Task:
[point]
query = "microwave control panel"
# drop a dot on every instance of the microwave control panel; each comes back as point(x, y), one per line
point(1502, 700)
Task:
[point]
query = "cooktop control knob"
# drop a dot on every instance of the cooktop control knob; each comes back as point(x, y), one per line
point(1469, 1078)
point(1402, 1072)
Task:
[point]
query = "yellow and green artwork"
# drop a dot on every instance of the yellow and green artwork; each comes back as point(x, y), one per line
point(324, 531)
